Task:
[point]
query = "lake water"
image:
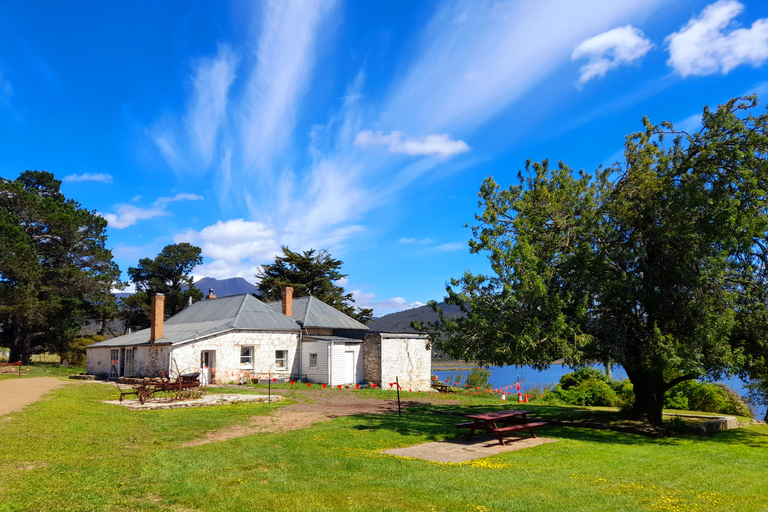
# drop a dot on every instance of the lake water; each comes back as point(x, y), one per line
point(529, 378)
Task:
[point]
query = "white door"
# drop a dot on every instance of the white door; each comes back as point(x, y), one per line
point(349, 367)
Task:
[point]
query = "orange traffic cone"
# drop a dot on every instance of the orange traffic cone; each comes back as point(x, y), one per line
point(503, 397)
point(519, 397)
point(526, 398)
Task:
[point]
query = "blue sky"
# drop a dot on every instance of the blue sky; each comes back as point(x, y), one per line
point(364, 128)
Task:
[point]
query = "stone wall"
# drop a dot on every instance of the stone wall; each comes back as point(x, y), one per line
point(372, 358)
point(403, 356)
point(227, 358)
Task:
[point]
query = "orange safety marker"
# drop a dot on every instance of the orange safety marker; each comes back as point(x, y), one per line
point(323, 385)
point(526, 398)
point(503, 397)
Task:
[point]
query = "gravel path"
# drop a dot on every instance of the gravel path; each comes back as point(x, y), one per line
point(18, 393)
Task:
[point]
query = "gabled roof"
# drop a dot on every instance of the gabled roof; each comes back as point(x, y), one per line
point(211, 317)
point(312, 312)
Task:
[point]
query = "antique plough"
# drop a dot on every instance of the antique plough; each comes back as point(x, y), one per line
point(181, 387)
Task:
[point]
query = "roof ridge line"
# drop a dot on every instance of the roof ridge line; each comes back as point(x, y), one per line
point(242, 304)
point(306, 310)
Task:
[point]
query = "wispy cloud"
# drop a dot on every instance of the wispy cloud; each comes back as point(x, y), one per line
point(609, 50)
point(207, 109)
point(286, 56)
point(397, 142)
point(86, 176)
point(702, 46)
point(453, 246)
point(465, 67)
point(477, 57)
point(128, 214)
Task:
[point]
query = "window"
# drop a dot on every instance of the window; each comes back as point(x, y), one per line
point(313, 360)
point(281, 357)
point(246, 357)
point(130, 362)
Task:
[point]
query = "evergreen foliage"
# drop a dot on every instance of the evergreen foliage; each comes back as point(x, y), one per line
point(168, 273)
point(309, 273)
point(55, 270)
point(658, 264)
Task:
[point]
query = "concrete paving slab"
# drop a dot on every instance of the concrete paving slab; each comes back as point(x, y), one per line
point(461, 450)
point(205, 400)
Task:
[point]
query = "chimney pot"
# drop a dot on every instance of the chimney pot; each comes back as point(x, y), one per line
point(288, 301)
point(157, 317)
point(210, 295)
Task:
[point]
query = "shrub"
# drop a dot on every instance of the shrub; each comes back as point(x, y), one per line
point(478, 377)
point(703, 396)
point(591, 392)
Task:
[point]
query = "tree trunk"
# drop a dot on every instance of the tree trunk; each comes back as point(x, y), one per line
point(649, 396)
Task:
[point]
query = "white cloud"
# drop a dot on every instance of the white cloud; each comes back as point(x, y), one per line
point(396, 142)
point(407, 241)
point(163, 202)
point(453, 246)
point(382, 307)
point(609, 50)
point(213, 78)
point(465, 68)
point(237, 247)
point(702, 47)
point(86, 176)
point(128, 215)
point(467, 72)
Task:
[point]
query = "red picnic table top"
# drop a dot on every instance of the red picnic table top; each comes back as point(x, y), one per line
point(497, 415)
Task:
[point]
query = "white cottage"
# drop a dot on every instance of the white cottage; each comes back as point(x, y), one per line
point(236, 338)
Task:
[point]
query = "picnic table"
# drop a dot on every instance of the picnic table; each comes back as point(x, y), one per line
point(511, 421)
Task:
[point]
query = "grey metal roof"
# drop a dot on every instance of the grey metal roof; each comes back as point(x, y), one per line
point(312, 312)
point(331, 339)
point(210, 317)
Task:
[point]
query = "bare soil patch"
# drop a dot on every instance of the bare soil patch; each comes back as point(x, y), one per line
point(18, 393)
point(311, 409)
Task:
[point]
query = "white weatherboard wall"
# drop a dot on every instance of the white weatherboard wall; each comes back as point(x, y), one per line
point(338, 361)
point(331, 362)
point(318, 374)
point(228, 349)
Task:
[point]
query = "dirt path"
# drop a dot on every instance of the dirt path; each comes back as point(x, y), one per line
point(18, 393)
point(303, 414)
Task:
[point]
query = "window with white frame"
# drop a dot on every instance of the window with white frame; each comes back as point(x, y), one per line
point(281, 359)
point(313, 360)
point(246, 357)
point(130, 362)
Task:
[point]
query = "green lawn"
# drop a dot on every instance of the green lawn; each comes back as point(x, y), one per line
point(72, 452)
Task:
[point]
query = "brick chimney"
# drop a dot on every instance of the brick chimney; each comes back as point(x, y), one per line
point(210, 295)
point(288, 301)
point(156, 317)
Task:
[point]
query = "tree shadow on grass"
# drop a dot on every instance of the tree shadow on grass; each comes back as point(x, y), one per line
point(436, 422)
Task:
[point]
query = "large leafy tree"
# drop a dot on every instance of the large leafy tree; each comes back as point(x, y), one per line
point(168, 273)
point(657, 264)
point(55, 271)
point(310, 273)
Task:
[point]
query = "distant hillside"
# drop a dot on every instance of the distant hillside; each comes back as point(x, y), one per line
point(401, 322)
point(226, 287)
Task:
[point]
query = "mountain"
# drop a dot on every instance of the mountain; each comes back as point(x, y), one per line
point(401, 322)
point(226, 287)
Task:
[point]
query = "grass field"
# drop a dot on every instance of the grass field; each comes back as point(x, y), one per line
point(70, 451)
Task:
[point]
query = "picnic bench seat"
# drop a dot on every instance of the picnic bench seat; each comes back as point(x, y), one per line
point(441, 387)
point(514, 428)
